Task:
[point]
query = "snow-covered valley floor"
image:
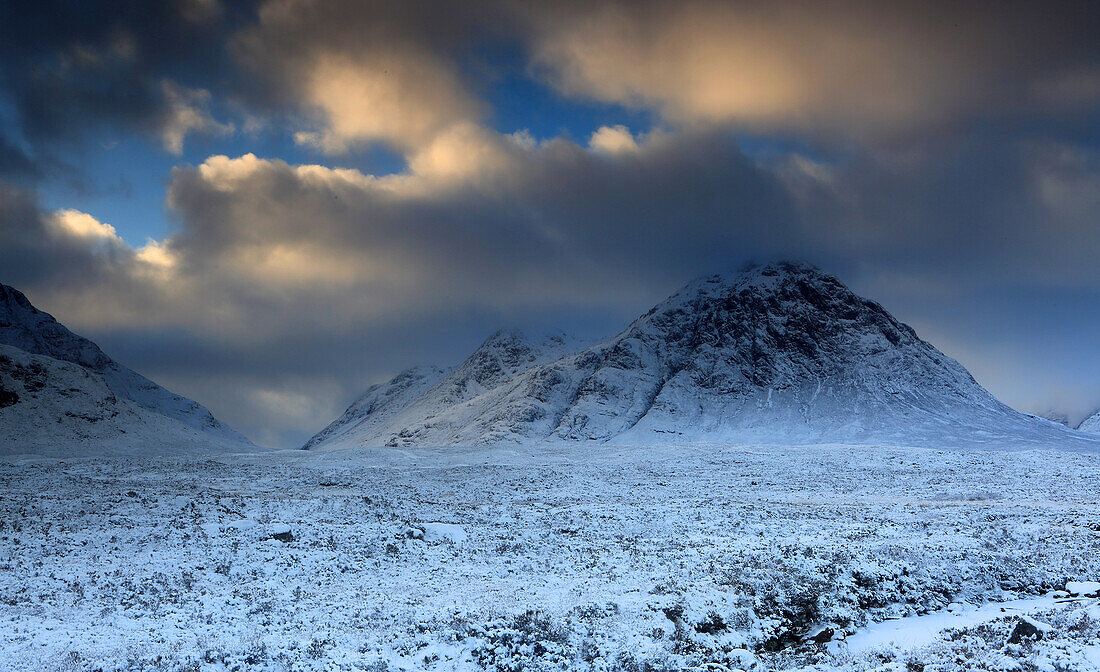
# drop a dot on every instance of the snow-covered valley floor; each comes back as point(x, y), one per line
point(551, 559)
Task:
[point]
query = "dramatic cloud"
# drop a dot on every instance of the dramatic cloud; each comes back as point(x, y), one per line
point(70, 70)
point(940, 156)
point(364, 72)
point(858, 68)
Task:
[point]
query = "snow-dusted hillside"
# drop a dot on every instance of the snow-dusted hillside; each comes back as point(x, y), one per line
point(53, 407)
point(380, 403)
point(25, 327)
point(1091, 424)
point(1054, 416)
point(778, 353)
point(425, 392)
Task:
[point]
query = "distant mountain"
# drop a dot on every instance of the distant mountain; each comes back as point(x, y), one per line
point(420, 392)
point(42, 363)
point(778, 353)
point(1091, 424)
point(1054, 416)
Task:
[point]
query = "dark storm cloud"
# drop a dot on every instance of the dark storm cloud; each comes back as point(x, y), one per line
point(69, 70)
point(1020, 210)
point(14, 162)
point(866, 70)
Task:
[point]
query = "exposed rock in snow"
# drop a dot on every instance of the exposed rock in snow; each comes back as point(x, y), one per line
point(25, 327)
point(777, 353)
point(1086, 588)
point(437, 532)
point(1090, 424)
point(1027, 628)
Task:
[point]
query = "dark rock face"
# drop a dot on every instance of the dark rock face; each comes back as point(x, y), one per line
point(44, 398)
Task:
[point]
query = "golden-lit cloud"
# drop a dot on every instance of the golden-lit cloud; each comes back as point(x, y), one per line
point(613, 140)
point(185, 112)
point(157, 256)
point(359, 72)
point(406, 99)
point(83, 226)
point(861, 69)
point(464, 150)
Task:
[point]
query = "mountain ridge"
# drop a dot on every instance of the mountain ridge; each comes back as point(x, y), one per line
point(1091, 424)
point(25, 328)
point(779, 352)
point(500, 357)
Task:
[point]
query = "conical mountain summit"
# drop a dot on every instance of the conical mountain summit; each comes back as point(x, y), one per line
point(777, 353)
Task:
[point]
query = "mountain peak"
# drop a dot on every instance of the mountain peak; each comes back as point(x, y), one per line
point(765, 275)
point(783, 310)
point(25, 327)
point(757, 279)
point(778, 352)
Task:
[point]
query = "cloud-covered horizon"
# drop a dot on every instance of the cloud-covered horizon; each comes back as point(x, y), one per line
point(941, 161)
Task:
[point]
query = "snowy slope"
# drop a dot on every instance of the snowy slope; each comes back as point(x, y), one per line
point(380, 403)
point(1090, 424)
point(421, 392)
point(778, 353)
point(25, 327)
point(53, 407)
point(1054, 416)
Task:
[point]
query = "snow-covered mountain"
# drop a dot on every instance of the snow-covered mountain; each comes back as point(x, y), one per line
point(1091, 424)
point(52, 407)
point(65, 386)
point(777, 353)
point(426, 391)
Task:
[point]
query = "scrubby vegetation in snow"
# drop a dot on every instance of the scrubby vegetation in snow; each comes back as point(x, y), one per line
point(747, 557)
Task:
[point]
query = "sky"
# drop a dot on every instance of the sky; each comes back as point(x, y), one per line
point(268, 206)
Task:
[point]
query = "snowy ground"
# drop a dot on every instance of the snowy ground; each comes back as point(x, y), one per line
point(579, 559)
